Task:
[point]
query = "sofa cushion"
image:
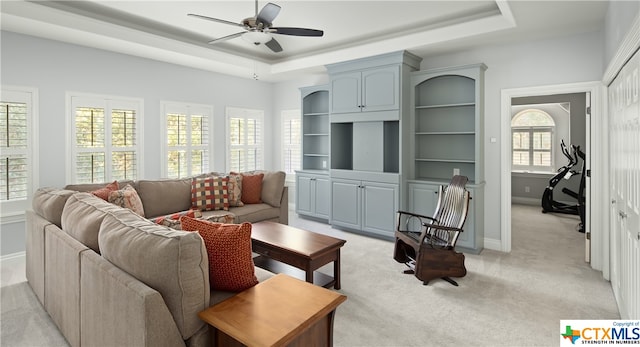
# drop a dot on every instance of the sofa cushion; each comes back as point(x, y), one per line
point(89, 187)
point(228, 246)
point(252, 188)
point(49, 203)
point(127, 197)
point(254, 213)
point(103, 193)
point(82, 216)
point(162, 197)
point(272, 187)
point(172, 262)
point(210, 193)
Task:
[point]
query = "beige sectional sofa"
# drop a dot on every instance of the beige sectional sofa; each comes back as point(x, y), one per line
point(109, 277)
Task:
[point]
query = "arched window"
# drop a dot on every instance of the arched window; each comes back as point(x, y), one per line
point(532, 139)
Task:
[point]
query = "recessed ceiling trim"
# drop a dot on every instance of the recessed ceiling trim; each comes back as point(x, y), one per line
point(435, 35)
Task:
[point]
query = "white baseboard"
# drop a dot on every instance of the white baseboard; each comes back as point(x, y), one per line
point(493, 244)
point(13, 256)
point(525, 201)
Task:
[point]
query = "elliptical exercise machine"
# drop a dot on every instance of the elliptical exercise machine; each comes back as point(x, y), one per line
point(567, 171)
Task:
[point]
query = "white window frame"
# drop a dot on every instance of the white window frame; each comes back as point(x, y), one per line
point(188, 109)
point(246, 114)
point(531, 150)
point(107, 102)
point(288, 116)
point(13, 210)
point(531, 130)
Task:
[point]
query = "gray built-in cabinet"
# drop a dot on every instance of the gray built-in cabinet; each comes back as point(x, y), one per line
point(447, 139)
point(368, 100)
point(312, 181)
point(382, 136)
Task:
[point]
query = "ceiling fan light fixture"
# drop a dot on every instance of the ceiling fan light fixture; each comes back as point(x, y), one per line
point(256, 37)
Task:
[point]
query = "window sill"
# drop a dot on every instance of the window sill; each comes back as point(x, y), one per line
point(532, 174)
point(9, 218)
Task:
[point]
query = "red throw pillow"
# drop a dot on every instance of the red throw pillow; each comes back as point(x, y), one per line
point(231, 266)
point(103, 193)
point(252, 188)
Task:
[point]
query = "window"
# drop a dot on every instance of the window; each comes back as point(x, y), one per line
point(105, 135)
point(245, 139)
point(17, 137)
point(532, 138)
point(291, 150)
point(186, 138)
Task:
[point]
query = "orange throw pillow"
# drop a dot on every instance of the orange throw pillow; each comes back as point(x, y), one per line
point(103, 193)
point(252, 188)
point(231, 266)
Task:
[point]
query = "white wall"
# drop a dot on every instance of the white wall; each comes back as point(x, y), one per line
point(548, 62)
point(620, 16)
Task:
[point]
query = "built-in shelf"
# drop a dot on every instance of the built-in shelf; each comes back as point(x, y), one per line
point(446, 133)
point(446, 105)
point(315, 128)
point(446, 118)
point(446, 160)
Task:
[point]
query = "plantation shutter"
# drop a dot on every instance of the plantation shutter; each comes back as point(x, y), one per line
point(14, 137)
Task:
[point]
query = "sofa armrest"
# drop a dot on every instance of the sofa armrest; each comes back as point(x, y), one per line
point(119, 310)
point(284, 206)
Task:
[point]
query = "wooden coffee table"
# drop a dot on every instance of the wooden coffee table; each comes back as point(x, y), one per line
point(281, 311)
point(279, 245)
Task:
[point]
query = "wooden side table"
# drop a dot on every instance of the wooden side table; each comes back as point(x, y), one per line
point(281, 311)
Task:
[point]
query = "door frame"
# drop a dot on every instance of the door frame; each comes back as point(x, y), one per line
point(597, 147)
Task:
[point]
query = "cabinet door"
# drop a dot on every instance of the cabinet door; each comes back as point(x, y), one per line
point(423, 198)
point(346, 92)
point(379, 207)
point(345, 196)
point(304, 195)
point(322, 196)
point(381, 89)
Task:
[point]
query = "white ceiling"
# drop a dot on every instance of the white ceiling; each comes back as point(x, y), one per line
point(162, 30)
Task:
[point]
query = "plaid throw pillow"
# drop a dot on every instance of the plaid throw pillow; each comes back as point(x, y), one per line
point(209, 193)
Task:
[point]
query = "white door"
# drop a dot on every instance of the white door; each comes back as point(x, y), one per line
point(625, 188)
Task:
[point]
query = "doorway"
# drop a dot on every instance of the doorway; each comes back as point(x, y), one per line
point(594, 156)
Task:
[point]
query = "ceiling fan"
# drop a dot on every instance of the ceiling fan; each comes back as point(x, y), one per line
point(258, 29)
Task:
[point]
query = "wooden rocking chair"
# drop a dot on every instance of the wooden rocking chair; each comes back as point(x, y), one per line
point(427, 244)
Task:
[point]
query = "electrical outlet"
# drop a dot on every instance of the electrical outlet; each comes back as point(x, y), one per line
point(527, 189)
point(456, 171)
point(324, 164)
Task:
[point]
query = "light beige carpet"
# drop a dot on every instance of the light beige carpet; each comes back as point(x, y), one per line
point(515, 299)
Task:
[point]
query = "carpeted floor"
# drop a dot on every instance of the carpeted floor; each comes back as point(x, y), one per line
point(515, 299)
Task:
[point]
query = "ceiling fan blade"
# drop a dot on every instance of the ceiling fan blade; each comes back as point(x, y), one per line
point(268, 14)
point(215, 20)
point(225, 38)
point(297, 31)
point(274, 45)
